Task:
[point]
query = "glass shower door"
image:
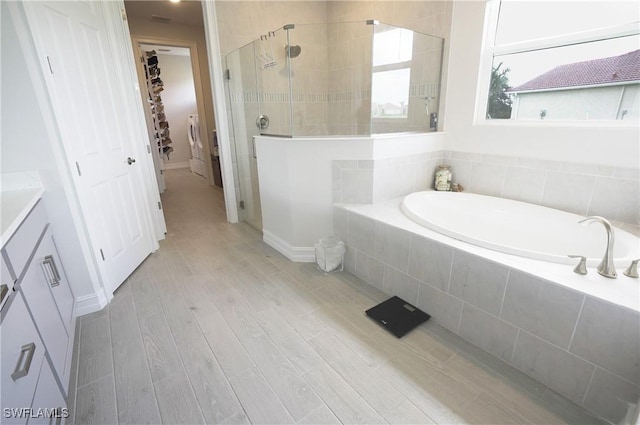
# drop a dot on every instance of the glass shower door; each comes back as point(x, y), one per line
point(273, 82)
point(242, 96)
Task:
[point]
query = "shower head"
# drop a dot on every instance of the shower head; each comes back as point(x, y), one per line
point(293, 51)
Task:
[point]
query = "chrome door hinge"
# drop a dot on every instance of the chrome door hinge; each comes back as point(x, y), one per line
point(50, 66)
point(124, 14)
point(78, 168)
point(241, 205)
point(159, 205)
point(227, 74)
point(148, 149)
point(102, 254)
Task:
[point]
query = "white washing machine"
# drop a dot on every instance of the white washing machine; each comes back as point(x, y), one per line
point(197, 152)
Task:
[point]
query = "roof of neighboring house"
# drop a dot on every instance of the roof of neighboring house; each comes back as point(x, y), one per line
point(615, 69)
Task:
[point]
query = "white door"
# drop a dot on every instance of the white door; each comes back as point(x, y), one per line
point(75, 52)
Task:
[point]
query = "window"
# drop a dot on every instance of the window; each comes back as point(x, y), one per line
point(391, 73)
point(562, 61)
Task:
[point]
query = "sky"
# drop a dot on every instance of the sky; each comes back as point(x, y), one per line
point(532, 20)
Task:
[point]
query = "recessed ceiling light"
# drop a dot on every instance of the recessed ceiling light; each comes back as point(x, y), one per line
point(174, 1)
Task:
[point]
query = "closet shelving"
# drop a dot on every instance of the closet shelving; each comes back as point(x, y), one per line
point(154, 87)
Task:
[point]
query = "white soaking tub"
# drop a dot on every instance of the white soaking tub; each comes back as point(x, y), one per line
point(518, 228)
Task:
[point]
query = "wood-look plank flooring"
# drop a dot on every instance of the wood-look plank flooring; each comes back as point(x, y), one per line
point(217, 327)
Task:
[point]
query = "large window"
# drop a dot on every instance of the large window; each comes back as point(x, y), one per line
point(562, 61)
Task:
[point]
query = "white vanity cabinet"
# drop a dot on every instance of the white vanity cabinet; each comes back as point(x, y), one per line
point(39, 307)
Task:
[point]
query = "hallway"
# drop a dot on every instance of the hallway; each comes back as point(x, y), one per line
point(217, 327)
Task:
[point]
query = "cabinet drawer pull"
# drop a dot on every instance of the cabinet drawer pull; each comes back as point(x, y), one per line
point(52, 274)
point(22, 369)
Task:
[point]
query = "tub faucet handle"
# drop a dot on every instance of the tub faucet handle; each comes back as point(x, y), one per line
point(581, 268)
point(632, 271)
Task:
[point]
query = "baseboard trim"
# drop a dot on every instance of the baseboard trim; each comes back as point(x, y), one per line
point(294, 253)
point(174, 165)
point(90, 303)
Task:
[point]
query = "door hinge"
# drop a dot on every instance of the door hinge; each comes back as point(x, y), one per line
point(159, 205)
point(102, 254)
point(49, 62)
point(78, 168)
point(241, 205)
point(148, 149)
point(124, 14)
point(227, 74)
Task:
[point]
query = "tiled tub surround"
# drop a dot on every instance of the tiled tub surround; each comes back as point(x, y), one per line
point(586, 189)
point(578, 335)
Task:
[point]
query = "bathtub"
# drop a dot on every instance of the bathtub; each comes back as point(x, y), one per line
point(517, 228)
point(552, 324)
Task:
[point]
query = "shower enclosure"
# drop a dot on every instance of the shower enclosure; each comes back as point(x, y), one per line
point(331, 79)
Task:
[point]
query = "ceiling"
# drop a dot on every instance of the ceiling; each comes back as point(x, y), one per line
point(186, 12)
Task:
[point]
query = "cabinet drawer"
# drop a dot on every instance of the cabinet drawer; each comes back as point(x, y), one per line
point(21, 361)
point(35, 286)
point(48, 401)
point(49, 260)
point(21, 244)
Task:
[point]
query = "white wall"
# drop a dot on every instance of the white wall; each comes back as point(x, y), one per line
point(26, 146)
point(179, 100)
point(586, 144)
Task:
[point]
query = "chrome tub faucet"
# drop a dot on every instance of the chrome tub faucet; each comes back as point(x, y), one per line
point(606, 267)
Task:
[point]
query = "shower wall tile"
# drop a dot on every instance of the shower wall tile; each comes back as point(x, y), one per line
point(610, 396)
point(392, 246)
point(400, 284)
point(558, 369)
point(568, 192)
point(478, 281)
point(609, 336)
point(430, 261)
point(488, 332)
point(443, 308)
point(541, 307)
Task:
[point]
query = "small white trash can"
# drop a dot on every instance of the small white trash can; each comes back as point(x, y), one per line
point(330, 254)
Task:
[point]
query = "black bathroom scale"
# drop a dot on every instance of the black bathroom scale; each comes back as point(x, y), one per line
point(397, 316)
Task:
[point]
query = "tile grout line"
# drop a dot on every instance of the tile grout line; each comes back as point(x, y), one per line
point(575, 327)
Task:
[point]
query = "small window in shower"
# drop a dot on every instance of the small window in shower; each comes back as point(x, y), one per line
point(391, 72)
point(392, 46)
point(390, 93)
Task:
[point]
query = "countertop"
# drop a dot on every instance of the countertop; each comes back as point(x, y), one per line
point(20, 192)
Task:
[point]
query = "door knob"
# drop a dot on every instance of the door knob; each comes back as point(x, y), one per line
point(130, 160)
